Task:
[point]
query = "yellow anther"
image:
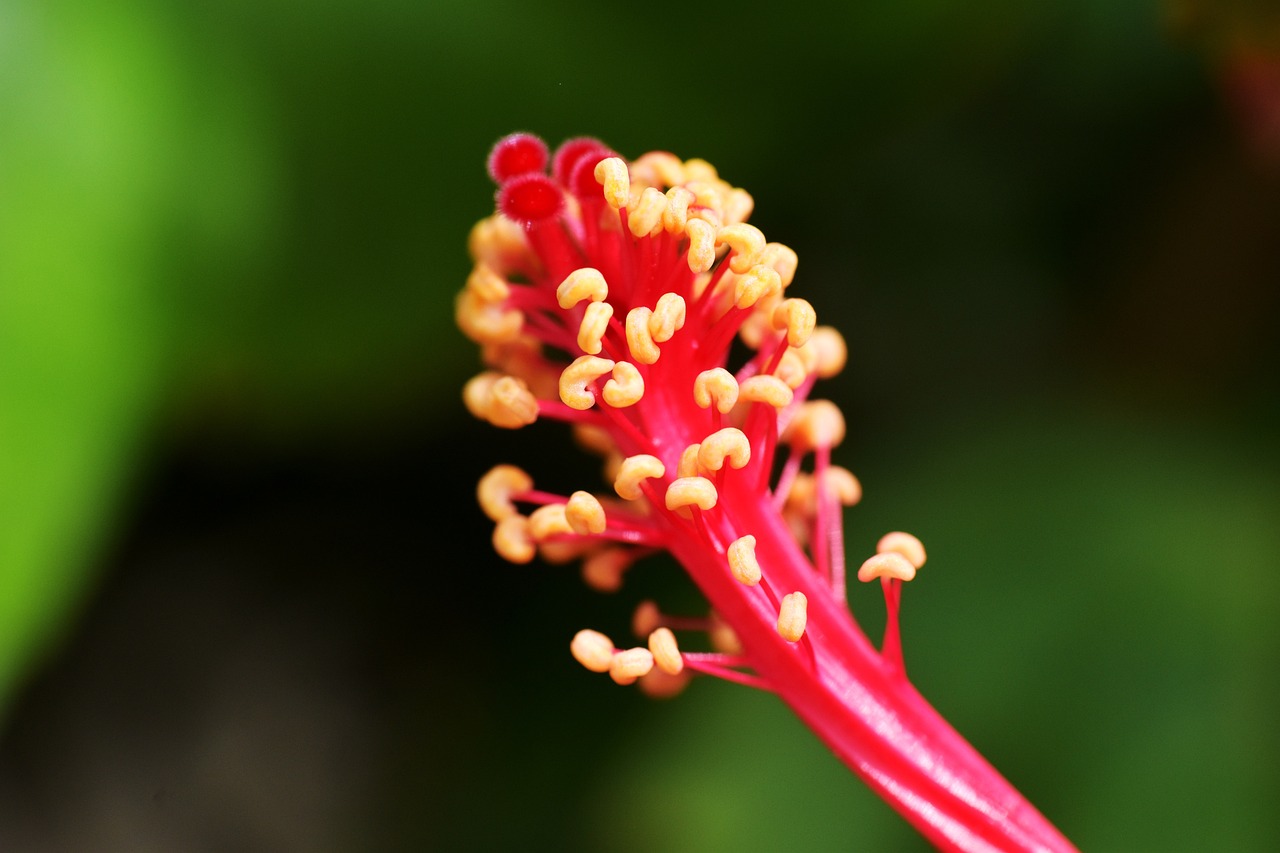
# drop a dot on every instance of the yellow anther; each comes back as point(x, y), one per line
point(582, 283)
point(791, 369)
point(890, 565)
point(659, 167)
point(612, 174)
point(818, 423)
point(575, 378)
point(487, 284)
point(668, 316)
point(688, 465)
point(830, 351)
point(759, 282)
point(738, 205)
point(793, 615)
point(595, 322)
point(646, 619)
point(639, 338)
point(743, 562)
point(729, 443)
point(496, 487)
point(697, 169)
point(603, 570)
point(592, 649)
point(798, 318)
point(557, 552)
point(840, 483)
point(902, 543)
point(765, 388)
point(633, 471)
point(660, 685)
point(676, 215)
point(717, 386)
point(584, 514)
point(625, 388)
point(630, 664)
point(702, 244)
point(497, 242)
point(476, 393)
point(486, 322)
point(666, 653)
point(691, 491)
point(547, 521)
point(512, 539)
point(644, 215)
point(783, 259)
point(511, 403)
point(747, 243)
point(722, 636)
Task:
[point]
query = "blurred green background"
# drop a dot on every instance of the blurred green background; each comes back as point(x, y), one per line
point(247, 604)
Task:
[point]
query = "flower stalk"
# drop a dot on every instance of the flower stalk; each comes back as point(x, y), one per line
point(633, 301)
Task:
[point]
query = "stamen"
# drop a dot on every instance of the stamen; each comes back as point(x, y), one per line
point(582, 283)
point(688, 465)
point(603, 570)
point(646, 619)
point(818, 423)
point(584, 514)
point(797, 317)
point(676, 216)
point(595, 322)
point(702, 244)
point(644, 217)
point(661, 685)
point(487, 284)
point(716, 386)
point(612, 174)
point(577, 376)
point(592, 649)
point(747, 243)
point(722, 636)
point(738, 205)
point(513, 541)
point(759, 282)
point(475, 394)
point(633, 471)
point(547, 521)
point(730, 443)
point(511, 404)
point(496, 487)
point(743, 562)
point(831, 352)
point(630, 664)
point(902, 543)
point(793, 616)
point(840, 483)
point(625, 388)
point(767, 389)
point(639, 338)
point(691, 491)
point(486, 322)
point(659, 167)
point(783, 259)
point(666, 653)
point(668, 317)
point(890, 565)
point(791, 369)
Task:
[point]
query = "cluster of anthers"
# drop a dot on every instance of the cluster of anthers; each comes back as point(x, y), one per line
point(642, 276)
point(613, 295)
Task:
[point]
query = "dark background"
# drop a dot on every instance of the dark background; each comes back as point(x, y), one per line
point(246, 600)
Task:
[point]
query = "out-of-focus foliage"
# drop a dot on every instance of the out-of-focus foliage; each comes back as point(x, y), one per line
point(233, 461)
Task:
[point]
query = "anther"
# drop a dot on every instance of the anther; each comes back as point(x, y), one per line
point(729, 443)
point(547, 521)
point(668, 317)
point(691, 491)
point(743, 562)
point(793, 616)
point(582, 283)
point(665, 651)
point(496, 487)
point(476, 393)
point(675, 217)
point(797, 317)
point(639, 338)
point(486, 322)
point(646, 619)
point(602, 570)
point(765, 388)
point(626, 386)
point(595, 322)
point(659, 167)
point(612, 174)
point(634, 470)
point(738, 205)
point(840, 483)
point(592, 649)
point(577, 376)
point(511, 403)
point(818, 423)
point(688, 464)
point(783, 259)
point(702, 244)
point(717, 386)
point(584, 514)
point(644, 217)
point(513, 540)
point(487, 284)
point(759, 282)
point(747, 243)
point(902, 543)
point(890, 564)
point(830, 351)
point(630, 664)
point(791, 369)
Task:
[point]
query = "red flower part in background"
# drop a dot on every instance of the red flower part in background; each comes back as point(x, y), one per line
point(612, 295)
